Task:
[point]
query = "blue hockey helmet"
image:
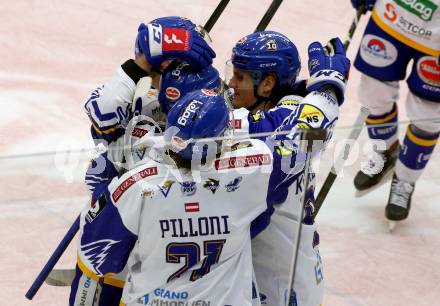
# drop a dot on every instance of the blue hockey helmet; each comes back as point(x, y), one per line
point(141, 45)
point(179, 78)
point(199, 114)
point(267, 51)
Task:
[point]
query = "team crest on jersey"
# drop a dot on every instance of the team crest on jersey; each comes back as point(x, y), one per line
point(140, 152)
point(96, 208)
point(212, 185)
point(234, 184)
point(188, 188)
point(166, 187)
point(96, 252)
point(148, 192)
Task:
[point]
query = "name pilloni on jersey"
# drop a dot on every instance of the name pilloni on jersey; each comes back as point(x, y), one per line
point(193, 232)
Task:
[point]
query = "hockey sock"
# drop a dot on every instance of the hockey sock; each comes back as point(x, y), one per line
point(415, 153)
point(383, 127)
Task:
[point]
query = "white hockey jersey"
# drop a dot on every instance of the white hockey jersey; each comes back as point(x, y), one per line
point(273, 248)
point(416, 23)
point(189, 239)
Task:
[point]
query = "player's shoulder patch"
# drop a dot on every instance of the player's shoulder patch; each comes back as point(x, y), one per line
point(96, 209)
point(290, 101)
point(131, 180)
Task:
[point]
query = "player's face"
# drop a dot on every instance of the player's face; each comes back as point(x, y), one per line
point(243, 86)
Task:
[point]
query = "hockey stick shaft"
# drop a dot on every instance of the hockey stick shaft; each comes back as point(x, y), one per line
point(362, 10)
point(342, 157)
point(62, 246)
point(215, 15)
point(273, 8)
point(354, 134)
point(75, 226)
point(310, 136)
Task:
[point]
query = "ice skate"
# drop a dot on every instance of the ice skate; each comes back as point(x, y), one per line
point(399, 201)
point(377, 171)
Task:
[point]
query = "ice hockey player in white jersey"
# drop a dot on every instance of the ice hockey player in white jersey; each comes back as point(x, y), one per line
point(264, 69)
point(175, 81)
point(182, 226)
point(399, 33)
point(110, 106)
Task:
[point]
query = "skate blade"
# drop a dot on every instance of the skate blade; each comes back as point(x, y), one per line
point(391, 226)
point(386, 178)
point(60, 277)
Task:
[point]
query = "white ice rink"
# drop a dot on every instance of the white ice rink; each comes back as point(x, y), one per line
point(53, 53)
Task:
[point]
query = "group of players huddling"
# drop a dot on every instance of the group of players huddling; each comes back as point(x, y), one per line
point(195, 199)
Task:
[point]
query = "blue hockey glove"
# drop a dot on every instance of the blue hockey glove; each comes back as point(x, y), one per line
point(164, 43)
point(368, 4)
point(328, 66)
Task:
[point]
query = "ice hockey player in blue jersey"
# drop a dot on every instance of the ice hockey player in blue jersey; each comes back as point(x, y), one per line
point(399, 33)
point(184, 238)
point(264, 72)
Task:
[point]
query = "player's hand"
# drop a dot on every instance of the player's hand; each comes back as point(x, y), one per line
point(160, 44)
point(368, 4)
point(328, 65)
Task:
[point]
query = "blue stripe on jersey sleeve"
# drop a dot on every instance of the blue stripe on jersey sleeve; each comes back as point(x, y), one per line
point(264, 122)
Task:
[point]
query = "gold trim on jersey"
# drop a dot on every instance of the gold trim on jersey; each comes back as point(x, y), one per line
point(386, 28)
point(401, 37)
point(107, 277)
point(107, 131)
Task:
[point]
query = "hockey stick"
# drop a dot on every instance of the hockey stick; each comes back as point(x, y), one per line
point(342, 157)
point(362, 10)
point(75, 226)
point(354, 134)
point(268, 15)
point(62, 246)
point(310, 136)
point(215, 15)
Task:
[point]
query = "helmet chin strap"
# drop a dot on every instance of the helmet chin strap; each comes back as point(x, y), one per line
point(260, 99)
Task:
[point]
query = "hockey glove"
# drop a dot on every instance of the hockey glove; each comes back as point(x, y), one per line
point(328, 66)
point(369, 4)
point(160, 44)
